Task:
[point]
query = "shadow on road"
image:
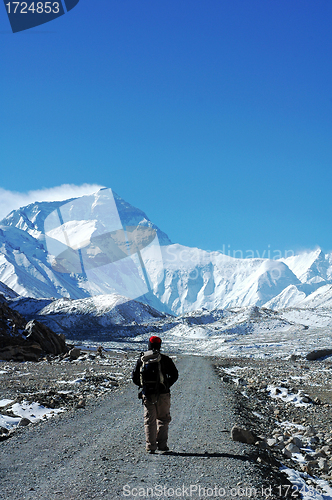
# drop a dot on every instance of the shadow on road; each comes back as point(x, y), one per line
point(243, 458)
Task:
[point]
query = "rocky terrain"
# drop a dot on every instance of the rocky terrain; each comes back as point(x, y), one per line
point(286, 405)
point(58, 383)
point(97, 449)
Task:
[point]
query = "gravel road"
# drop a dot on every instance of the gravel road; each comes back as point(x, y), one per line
point(99, 452)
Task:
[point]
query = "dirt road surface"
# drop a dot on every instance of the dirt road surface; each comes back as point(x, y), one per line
point(99, 451)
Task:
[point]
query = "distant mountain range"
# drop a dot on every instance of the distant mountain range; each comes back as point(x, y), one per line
point(191, 278)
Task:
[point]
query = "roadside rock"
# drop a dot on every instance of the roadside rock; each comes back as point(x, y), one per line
point(287, 453)
point(292, 448)
point(242, 435)
point(24, 422)
point(310, 431)
point(74, 353)
point(297, 442)
point(323, 465)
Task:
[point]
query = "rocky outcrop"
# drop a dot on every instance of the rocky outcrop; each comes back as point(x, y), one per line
point(22, 341)
point(6, 292)
point(50, 342)
point(30, 352)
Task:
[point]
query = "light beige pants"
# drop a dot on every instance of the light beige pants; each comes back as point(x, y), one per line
point(156, 419)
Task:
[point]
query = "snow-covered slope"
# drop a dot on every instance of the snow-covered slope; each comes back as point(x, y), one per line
point(310, 318)
point(294, 296)
point(26, 268)
point(321, 298)
point(89, 315)
point(28, 306)
point(242, 321)
point(195, 278)
point(310, 267)
point(290, 296)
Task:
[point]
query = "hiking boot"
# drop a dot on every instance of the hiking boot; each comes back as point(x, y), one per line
point(165, 448)
point(151, 452)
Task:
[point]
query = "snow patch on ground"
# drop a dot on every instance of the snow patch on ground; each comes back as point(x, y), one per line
point(5, 402)
point(287, 397)
point(321, 490)
point(71, 382)
point(32, 411)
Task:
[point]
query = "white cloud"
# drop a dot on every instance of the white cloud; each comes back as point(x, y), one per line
point(11, 200)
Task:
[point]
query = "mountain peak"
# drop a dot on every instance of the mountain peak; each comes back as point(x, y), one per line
point(308, 265)
point(96, 206)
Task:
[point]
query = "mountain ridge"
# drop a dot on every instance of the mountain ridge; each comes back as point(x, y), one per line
point(190, 278)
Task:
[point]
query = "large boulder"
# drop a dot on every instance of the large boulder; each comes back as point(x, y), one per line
point(22, 341)
point(242, 435)
point(21, 353)
point(50, 342)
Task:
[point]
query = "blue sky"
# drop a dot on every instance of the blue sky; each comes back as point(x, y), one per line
point(214, 117)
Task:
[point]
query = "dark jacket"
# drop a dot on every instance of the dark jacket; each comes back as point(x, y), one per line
point(168, 369)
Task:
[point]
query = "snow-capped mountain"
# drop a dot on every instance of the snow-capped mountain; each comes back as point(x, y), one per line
point(178, 280)
point(26, 268)
point(314, 271)
point(311, 267)
point(31, 218)
point(195, 278)
point(27, 265)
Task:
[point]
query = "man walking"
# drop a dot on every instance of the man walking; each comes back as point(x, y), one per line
point(155, 373)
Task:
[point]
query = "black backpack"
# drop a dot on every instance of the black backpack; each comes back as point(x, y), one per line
point(151, 375)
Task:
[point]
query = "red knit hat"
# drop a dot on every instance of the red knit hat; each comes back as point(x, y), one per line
point(155, 340)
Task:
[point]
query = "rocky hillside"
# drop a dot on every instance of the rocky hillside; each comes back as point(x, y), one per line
point(26, 341)
point(105, 317)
